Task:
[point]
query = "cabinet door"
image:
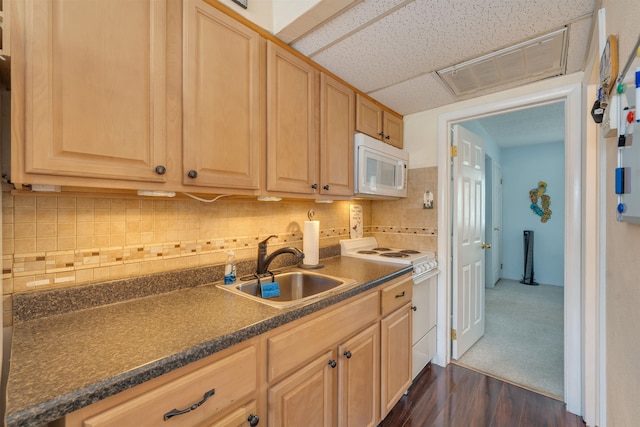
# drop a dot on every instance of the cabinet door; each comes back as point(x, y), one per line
point(396, 357)
point(337, 113)
point(358, 379)
point(368, 117)
point(292, 137)
point(393, 130)
point(240, 417)
point(95, 88)
point(223, 133)
point(306, 397)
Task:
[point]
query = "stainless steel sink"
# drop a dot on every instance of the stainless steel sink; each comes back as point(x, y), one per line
point(296, 287)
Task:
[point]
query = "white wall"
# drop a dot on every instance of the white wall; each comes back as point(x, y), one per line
point(285, 11)
point(260, 12)
point(421, 129)
point(622, 266)
point(522, 169)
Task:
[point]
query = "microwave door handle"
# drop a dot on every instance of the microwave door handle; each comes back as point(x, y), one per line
point(403, 175)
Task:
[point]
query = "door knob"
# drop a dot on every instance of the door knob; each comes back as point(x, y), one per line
point(485, 245)
point(497, 229)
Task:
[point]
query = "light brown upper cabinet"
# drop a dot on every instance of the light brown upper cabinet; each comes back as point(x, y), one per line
point(375, 121)
point(91, 94)
point(337, 107)
point(223, 100)
point(292, 127)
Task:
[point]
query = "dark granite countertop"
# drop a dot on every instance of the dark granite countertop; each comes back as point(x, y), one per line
point(64, 362)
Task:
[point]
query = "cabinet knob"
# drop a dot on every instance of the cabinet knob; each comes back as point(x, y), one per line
point(414, 308)
point(387, 137)
point(161, 170)
point(253, 420)
point(326, 187)
point(332, 363)
point(347, 354)
point(192, 174)
point(381, 134)
point(314, 186)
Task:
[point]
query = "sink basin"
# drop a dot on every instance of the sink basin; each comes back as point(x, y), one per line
point(296, 287)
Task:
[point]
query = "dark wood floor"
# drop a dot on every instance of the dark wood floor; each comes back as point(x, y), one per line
point(459, 397)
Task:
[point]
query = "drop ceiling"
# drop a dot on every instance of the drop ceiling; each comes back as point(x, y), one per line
point(392, 49)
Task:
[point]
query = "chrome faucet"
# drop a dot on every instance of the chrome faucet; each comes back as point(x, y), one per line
point(264, 260)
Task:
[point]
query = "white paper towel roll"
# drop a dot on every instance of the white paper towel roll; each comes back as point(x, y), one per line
point(311, 242)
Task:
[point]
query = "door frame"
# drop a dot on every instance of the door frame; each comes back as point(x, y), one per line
point(573, 275)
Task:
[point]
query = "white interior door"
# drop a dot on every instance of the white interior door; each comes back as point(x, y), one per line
point(496, 241)
point(468, 244)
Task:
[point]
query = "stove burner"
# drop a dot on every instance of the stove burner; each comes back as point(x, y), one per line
point(409, 251)
point(381, 249)
point(367, 252)
point(394, 255)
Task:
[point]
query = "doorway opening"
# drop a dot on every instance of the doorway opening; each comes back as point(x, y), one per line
point(523, 325)
point(571, 95)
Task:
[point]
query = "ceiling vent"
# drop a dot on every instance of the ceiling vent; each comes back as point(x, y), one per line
point(535, 59)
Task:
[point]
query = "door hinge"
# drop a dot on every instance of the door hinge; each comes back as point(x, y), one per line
point(454, 334)
point(500, 181)
point(500, 266)
point(454, 151)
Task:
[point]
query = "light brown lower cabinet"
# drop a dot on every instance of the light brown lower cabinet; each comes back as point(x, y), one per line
point(396, 357)
point(346, 365)
point(306, 397)
point(359, 379)
point(396, 339)
point(218, 391)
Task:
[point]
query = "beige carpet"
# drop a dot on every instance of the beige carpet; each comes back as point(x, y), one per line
point(524, 337)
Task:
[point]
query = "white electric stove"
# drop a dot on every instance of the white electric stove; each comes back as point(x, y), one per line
point(424, 302)
point(367, 248)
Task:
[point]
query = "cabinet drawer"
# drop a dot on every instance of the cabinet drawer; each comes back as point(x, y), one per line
point(231, 379)
point(288, 350)
point(396, 295)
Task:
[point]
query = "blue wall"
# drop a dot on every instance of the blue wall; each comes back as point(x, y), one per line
point(522, 168)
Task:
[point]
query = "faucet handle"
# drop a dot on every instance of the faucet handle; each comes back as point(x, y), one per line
point(264, 242)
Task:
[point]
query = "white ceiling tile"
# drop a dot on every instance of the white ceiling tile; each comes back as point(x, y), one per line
point(579, 39)
point(414, 95)
point(349, 21)
point(423, 36)
point(390, 48)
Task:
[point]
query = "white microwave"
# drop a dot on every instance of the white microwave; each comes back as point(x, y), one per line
point(380, 169)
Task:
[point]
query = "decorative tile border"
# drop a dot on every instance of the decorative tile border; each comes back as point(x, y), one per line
point(395, 229)
point(48, 268)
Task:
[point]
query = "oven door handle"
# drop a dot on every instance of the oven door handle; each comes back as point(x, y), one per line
point(419, 278)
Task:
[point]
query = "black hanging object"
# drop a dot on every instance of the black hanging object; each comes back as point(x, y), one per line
point(597, 112)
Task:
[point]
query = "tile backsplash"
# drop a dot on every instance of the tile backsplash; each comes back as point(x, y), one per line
point(57, 240)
